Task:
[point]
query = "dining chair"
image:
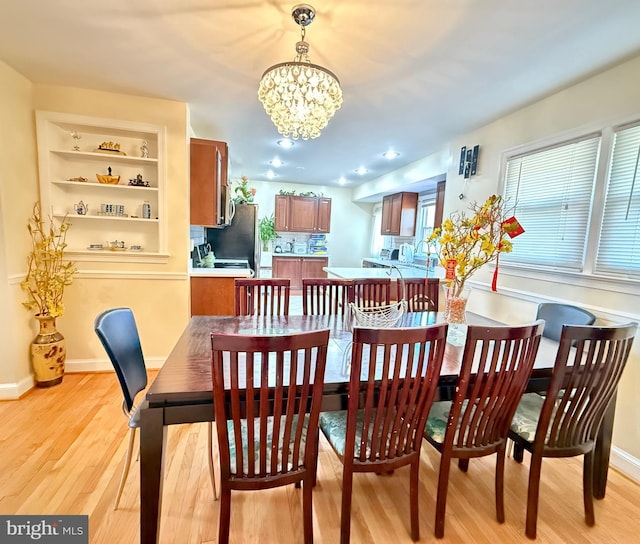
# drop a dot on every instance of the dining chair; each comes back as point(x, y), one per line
point(326, 296)
point(266, 413)
point(565, 422)
point(369, 292)
point(116, 328)
point(556, 315)
point(494, 372)
point(268, 296)
point(421, 294)
point(393, 379)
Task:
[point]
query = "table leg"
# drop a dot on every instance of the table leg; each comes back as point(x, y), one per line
point(602, 451)
point(153, 437)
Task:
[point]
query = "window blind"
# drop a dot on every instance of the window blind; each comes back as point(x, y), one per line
point(619, 242)
point(551, 192)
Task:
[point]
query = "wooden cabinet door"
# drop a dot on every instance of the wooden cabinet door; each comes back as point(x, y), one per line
point(312, 268)
point(437, 221)
point(288, 267)
point(396, 214)
point(323, 218)
point(303, 214)
point(282, 212)
point(212, 296)
point(399, 212)
point(208, 169)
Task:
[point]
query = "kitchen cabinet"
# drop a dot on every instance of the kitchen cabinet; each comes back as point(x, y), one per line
point(437, 220)
point(212, 296)
point(302, 214)
point(208, 160)
point(296, 268)
point(399, 212)
point(72, 151)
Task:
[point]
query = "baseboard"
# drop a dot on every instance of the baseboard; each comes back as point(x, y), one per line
point(625, 463)
point(103, 365)
point(13, 391)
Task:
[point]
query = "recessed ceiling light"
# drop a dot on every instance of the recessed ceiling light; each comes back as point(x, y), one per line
point(342, 180)
point(362, 171)
point(270, 174)
point(285, 143)
point(390, 154)
point(276, 162)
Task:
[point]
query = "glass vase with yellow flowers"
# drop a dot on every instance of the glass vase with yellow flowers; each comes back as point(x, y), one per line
point(464, 243)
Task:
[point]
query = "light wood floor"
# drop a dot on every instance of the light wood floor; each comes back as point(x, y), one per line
point(62, 450)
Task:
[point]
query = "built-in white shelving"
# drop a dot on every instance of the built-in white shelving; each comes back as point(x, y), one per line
point(68, 176)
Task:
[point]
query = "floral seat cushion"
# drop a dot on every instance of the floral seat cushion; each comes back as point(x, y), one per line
point(334, 427)
point(525, 420)
point(437, 421)
point(270, 441)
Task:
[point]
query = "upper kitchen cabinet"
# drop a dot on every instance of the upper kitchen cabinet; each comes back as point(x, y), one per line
point(399, 213)
point(208, 174)
point(302, 214)
point(108, 177)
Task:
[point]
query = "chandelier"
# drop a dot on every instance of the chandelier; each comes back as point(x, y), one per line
point(300, 97)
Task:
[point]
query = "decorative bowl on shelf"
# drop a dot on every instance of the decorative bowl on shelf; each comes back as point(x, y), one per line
point(109, 179)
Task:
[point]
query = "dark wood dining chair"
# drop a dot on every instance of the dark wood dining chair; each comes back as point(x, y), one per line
point(394, 376)
point(326, 296)
point(421, 294)
point(268, 296)
point(565, 422)
point(556, 315)
point(267, 392)
point(369, 292)
point(495, 369)
point(116, 328)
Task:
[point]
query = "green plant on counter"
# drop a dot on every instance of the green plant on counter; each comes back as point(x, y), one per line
point(267, 226)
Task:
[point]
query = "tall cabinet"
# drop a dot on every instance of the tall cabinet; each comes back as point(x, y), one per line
point(124, 220)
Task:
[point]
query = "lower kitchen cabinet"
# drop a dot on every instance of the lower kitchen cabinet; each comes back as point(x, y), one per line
point(296, 268)
point(212, 296)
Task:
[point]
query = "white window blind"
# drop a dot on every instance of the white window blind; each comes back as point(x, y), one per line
point(551, 192)
point(619, 244)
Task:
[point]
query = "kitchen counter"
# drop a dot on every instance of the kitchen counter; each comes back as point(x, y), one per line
point(220, 272)
point(407, 272)
point(305, 255)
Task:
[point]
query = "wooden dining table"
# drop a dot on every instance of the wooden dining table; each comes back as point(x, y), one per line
point(182, 389)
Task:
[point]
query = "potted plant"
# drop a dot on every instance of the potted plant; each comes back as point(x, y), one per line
point(267, 226)
point(47, 276)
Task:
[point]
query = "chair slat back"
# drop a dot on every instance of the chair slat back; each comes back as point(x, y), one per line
point(369, 292)
point(394, 377)
point(116, 328)
point(267, 394)
point(326, 296)
point(496, 366)
point(422, 294)
point(269, 296)
point(588, 367)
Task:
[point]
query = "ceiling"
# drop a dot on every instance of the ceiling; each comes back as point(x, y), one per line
point(414, 73)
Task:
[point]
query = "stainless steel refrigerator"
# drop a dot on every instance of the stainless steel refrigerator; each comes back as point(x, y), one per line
point(241, 239)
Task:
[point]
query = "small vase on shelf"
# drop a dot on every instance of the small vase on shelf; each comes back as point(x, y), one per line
point(455, 313)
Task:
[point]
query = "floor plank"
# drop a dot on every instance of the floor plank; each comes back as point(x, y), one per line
point(62, 451)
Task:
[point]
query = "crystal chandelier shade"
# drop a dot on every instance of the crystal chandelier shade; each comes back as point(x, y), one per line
point(300, 97)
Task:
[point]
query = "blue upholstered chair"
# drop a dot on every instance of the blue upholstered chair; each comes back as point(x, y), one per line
point(118, 333)
point(557, 315)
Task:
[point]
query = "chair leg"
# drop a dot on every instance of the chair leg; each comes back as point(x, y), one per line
point(225, 515)
point(413, 500)
point(345, 515)
point(499, 490)
point(127, 464)
point(532, 495)
point(441, 500)
point(212, 466)
point(463, 464)
point(307, 509)
point(587, 489)
point(518, 451)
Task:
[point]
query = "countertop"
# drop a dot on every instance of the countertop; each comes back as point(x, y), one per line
point(354, 273)
point(220, 272)
point(305, 255)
